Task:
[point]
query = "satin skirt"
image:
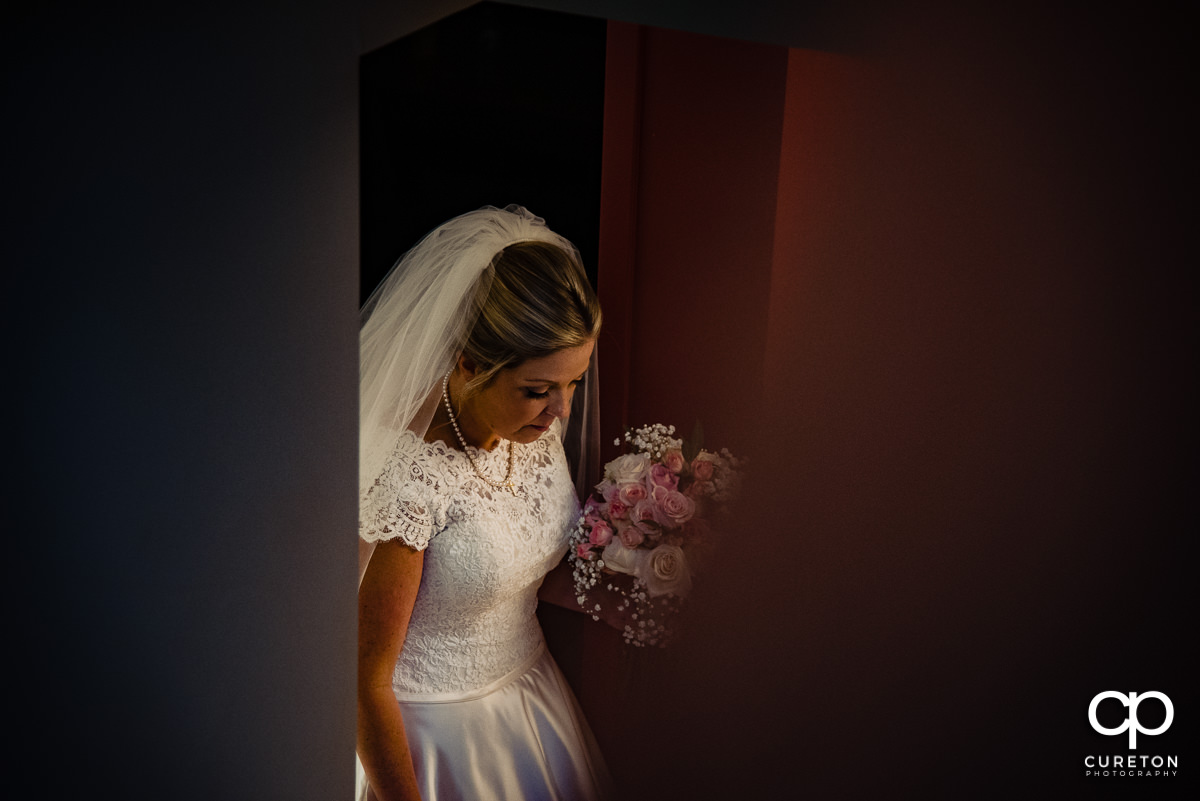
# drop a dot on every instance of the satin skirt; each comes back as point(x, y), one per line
point(521, 738)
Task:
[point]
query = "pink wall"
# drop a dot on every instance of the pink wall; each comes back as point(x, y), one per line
point(691, 159)
point(691, 162)
point(929, 288)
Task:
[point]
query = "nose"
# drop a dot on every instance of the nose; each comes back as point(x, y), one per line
point(559, 405)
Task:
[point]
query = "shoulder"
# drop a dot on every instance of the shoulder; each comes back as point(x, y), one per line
point(407, 501)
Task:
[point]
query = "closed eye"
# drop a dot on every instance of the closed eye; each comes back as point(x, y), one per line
point(535, 395)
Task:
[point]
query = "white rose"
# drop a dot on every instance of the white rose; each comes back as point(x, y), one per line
point(665, 571)
point(621, 559)
point(630, 467)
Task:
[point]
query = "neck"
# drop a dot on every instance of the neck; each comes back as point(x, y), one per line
point(476, 435)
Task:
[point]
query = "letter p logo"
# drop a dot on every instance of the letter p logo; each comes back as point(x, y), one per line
point(1131, 722)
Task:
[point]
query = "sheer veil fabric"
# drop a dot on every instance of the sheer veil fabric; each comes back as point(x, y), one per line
point(414, 325)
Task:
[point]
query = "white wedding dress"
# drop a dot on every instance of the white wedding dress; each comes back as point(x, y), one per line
point(487, 712)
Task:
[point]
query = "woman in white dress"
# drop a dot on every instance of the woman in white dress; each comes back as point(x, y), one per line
point(471, 353)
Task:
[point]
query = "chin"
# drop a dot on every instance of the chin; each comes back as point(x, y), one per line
point(528, 434)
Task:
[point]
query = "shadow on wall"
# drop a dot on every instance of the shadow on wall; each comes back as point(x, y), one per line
point(964, 419)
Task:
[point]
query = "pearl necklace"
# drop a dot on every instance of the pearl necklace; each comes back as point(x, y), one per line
point(506, 483)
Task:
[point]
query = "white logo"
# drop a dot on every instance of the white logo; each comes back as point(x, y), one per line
point(1131, 722)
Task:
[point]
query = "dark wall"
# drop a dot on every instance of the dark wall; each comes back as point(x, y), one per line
point(969, 502)
point(496, 104)
point(181, 286)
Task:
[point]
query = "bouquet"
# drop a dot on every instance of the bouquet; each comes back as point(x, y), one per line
point(650, 519)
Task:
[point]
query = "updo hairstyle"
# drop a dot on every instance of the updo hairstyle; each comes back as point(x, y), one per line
point(539, 302)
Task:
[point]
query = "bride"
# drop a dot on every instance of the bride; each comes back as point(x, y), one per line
point(473, 353)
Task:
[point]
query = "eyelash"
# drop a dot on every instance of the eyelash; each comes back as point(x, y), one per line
point(529, 393)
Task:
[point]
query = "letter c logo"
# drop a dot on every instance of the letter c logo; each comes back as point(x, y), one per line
point(1131, 722)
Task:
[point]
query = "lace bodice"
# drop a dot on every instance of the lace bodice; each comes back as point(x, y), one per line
point(487, 552)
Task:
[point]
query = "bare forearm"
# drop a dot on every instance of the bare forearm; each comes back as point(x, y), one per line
point(558, 588)
point(383, 747)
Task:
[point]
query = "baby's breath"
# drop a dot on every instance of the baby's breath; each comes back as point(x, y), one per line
point(587, 572)
point(653, 440)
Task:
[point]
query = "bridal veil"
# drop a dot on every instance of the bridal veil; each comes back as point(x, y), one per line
point(415, 324)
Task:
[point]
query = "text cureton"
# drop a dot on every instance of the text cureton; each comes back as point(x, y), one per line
point(1130, 761)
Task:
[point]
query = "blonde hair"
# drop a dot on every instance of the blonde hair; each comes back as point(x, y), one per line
point(539, 302)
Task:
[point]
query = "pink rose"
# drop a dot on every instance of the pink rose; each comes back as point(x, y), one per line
point(661, 476)
point(631, 494)
point(591, 509)
point(677, 508)
point(600, 534)
point(631, 537)
point(702, 467)
point(673, 460)
point(645, 515)
point(583, 550)
point(617, 510)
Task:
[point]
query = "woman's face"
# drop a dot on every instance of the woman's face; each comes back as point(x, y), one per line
point(521, 402)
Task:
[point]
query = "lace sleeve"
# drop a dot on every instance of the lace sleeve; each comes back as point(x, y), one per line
point(406, 502)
